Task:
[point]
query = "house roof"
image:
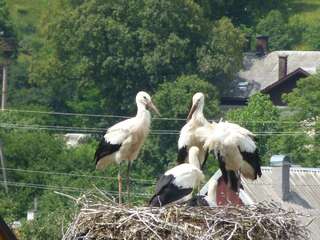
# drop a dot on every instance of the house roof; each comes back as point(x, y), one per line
point(304, 193)
point(299, 71)
point(304, 188)
point(260, 72)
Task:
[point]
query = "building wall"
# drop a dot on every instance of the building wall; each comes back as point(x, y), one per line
point(225, 196)
point(285, 87)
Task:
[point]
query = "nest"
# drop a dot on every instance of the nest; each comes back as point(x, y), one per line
point(104, 219)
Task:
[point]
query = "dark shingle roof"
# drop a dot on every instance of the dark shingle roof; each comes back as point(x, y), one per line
point(260, 72)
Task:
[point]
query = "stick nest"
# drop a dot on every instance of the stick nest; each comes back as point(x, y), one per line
point(103, 219)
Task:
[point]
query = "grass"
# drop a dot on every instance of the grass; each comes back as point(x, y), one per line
point(27, 11)
point(308, 10)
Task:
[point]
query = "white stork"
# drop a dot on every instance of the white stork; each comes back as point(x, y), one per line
point(235, 149)
point(206, 200)
point(188, 136)
point(178, 183)
point(123, 141)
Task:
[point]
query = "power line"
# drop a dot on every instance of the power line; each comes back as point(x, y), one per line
point(126, 117)
point(65, 188)
point(73, 174)
point(98, 130)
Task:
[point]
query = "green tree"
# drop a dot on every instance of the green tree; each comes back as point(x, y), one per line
point(6, 26)
point(312, 37)
point(304, 99)
point(117, 48)
point(302, 143)
point(276, 27)
point(220, 58)
point(246, 12)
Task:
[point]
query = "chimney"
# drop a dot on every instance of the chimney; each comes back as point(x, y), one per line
point(283, 66)
point(281, 175)
point(262, 45)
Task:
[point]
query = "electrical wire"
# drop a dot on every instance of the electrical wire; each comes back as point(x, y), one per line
point(64, 188)
point(99, 130)
point(126, 117)
point(73, 174)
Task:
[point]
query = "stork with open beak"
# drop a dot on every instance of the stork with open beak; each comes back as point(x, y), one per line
point(188, 136)
point(123, 141)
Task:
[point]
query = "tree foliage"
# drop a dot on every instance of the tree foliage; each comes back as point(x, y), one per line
point(275, 26)
point(220, 58)
point(6, 26)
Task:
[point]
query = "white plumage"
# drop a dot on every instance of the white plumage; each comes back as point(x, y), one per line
point(188, 136)
point(186, 175)
point(123, 141)
point(235, 149)
point(177, 184)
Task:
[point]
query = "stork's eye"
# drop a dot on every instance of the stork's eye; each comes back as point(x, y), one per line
point(145, 97)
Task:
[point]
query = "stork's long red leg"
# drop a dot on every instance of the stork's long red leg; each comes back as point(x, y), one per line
point(120, 184)
point(128, 181)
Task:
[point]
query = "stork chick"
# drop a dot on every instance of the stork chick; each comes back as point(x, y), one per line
point(178, 183)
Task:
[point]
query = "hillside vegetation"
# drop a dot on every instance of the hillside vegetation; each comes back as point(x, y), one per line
point(80, 63)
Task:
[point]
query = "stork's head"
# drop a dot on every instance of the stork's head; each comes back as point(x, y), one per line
point(144, 99)
point(197, 104)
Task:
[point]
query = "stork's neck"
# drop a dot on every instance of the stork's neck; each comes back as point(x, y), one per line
point(198, 116)
point(143, 113)
point(194, 160)
point(212, 192)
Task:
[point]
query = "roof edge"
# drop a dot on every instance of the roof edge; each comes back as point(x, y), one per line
point(285, 78)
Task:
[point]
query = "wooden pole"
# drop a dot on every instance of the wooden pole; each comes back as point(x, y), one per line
point(4, 87)
point(3, 169)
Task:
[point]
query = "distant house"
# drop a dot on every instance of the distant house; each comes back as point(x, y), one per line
point(5, 231)
point(272, 73)
point(292, 187)
point(75, 139)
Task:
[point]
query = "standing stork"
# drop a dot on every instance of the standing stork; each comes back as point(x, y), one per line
point(178, 183)
point(123, 141)
point(235, 149)
point(188, 136)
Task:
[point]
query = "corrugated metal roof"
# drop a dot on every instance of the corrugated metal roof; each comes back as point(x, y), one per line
point(304, 193)
point(260, 72)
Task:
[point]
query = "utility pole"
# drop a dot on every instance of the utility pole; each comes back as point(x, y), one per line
point(7, 50)
point(4, 87)
point(3, 167)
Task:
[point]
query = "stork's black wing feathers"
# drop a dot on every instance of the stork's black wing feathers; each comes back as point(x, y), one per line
point(228, 175)
point(197, 201)
point(182, 155)
point(166, 192)
point(105, 148)
point(205, 159)
point(234, 180)
point(163, 181)
point(254, 161)
point(222, 167)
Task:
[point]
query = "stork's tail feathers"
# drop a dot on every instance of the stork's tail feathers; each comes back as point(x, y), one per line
point(182, 155)
point(251, 166)
point(234, 180)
